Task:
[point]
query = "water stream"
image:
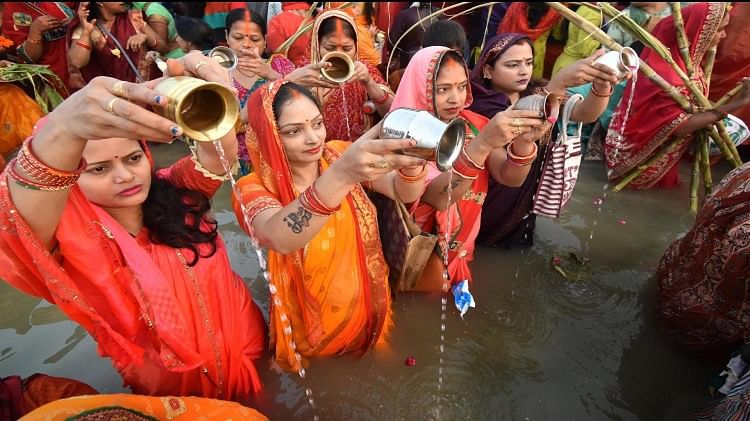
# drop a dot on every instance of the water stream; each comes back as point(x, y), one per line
point(537, 347)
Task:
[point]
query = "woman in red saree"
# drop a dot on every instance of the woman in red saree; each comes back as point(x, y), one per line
point(655, 118)
point(128, 253)
point(345, 117)
point(733, 57)
point(306, 202)
point(94, 51)
point(436, 80)
point(38, 30)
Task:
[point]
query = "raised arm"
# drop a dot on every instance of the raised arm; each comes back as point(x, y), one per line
point(288, 229)
point(503, 128)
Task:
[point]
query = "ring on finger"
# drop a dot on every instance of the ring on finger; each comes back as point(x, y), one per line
point(516, 122)
point(119, 88)
point(111, 105)
point(382, 164)
point(199, 64)
point(517, 131)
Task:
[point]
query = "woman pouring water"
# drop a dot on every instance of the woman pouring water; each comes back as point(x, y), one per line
point(130, 253)
point(306, 202)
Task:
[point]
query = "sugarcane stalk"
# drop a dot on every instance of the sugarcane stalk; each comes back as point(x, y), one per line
point(694, 181)
point(656, 45)
point(637, 171)
point(708, 67)
point(729, 95)
point(682, 41)
point(649, 72)
point(705, 162)
point(713, 134)
point(724, 136)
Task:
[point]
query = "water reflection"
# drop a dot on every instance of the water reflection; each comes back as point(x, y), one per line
point(537, 346)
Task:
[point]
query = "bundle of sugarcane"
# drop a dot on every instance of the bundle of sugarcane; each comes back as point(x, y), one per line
point(716, 131)
point(41, 79)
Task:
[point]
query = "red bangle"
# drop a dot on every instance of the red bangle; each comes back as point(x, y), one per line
point(471, 161)
point(521, 161)
point(33, 185)
point(51, 177)
point(382, 100)
point(465, 169)
point(721, 115)
point(82, 45)
point(310, 201)
point(35, 41)
point(413, 178)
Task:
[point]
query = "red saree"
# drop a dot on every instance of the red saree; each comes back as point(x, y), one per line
point(16, 23)
point(343, 111)
point(733, 57)
point(334, 292)
point(283, 26)
point(170, 329)
point(108, 60)
point(417, 91)
point(703, 278)
point(654, 115)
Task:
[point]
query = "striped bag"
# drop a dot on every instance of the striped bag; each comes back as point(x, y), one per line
point(560, 170)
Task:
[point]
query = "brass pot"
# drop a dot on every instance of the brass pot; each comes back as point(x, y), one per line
point(206, 111)
point(342, 67)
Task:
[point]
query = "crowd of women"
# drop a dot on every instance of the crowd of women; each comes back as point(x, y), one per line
point(133, 254)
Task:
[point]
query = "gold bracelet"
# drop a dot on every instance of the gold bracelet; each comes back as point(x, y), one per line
point(206, 173)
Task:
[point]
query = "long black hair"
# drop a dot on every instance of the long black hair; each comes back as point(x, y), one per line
point(173, 216)
point(329, 27)
point(195, 31)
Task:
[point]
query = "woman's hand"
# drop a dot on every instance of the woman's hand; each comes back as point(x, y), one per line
point(510, 125)
point(742, 99)
point(83, 16)
point(370, 159)
point(250, 61)
point(136, 41)
point(581, 72)
point(361, 73)
point(43, 24)
point(310, 76)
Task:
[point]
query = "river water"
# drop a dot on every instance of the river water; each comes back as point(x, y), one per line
point(536, 347)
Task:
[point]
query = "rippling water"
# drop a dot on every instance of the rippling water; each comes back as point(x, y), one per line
point(536, 347)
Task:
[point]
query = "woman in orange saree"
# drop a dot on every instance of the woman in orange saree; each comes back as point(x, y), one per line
point(345, 116)
point(436, 80)
point(130, 254)
point(306, 202)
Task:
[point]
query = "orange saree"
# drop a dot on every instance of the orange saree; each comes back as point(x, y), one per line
point(170, 329)
point(334, 292)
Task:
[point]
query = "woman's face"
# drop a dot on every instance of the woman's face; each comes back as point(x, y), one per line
point(721, 33)
point(246, 35)
point(338, 40)
point(451, 88)
point(512, 70)
point(118, 174)
point(301, 129)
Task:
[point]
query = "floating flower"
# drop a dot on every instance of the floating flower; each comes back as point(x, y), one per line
point(622, 222)
point(410, 361)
